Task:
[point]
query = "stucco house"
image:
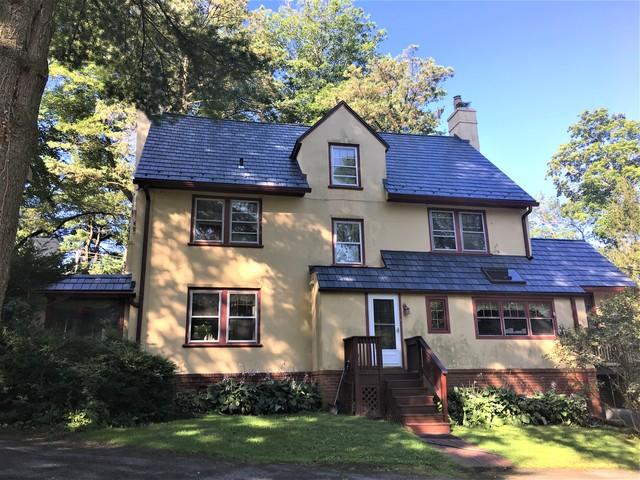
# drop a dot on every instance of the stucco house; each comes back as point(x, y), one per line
point(288, 249)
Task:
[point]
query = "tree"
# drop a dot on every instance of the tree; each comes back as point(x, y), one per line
point(597, 178)
point(547, 221)
point(81, 191)
point(613, 340)
point(311, 44)
point(392, 94)
point(178, 55)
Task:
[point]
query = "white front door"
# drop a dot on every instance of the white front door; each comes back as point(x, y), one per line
point(384, 322)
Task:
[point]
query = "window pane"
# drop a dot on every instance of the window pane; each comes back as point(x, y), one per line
point(540, 310)
point(243, 227)
point(209, 209)
point(205, 304)
point(244, 237)
point(383, 311)
point(471, 222)
point(515, 326)
point(348, 232)
point(345, 180)
point(473, 241)
point(487, 309)
point(444, 243)
point(387, 334)
point(242, 329)
point(343, 156)
point(489, 326)
point(344, 165)
point(514, 310)
point(242, 305)
point(442, 221)
point(542, 326)
point(204, 329)
point(208, 231)
point(437, 315)
point(346, 253)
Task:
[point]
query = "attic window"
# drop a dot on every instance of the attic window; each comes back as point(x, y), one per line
point(344, 166)
point(502, 275)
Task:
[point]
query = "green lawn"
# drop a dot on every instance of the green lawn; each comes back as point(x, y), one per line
point(319, 438)
point(557, 446)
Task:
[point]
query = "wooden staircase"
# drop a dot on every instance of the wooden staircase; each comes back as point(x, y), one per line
point(412, 403)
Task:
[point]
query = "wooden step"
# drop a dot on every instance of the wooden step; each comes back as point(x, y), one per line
point(411, 383)
point(401, 376)
point(416, 409)
point(408, 391)
point(408, 418)
point(402, 400)
point(437, 428)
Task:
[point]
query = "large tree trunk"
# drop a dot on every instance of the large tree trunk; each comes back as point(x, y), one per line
point(25, 33)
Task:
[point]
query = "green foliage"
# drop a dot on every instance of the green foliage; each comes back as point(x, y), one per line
point(189, 404)
point(597, 174)
point(239, 397)
point(489, 406)
point(548, 221)
point(49, 380)
point(614, 339)
point(81, 191)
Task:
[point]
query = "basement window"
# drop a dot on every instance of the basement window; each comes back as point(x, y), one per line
point(502, 275)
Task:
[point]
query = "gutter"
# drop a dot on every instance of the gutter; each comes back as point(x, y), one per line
point(525, 233)
point(143, 266)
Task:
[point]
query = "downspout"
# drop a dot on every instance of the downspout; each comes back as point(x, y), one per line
point(143, 266)
point(525, 233)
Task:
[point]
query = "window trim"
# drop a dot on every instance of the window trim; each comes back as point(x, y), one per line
point(221, 308)
point(501, 300)
point(226, 223)
point(223, 325)
point(447, 324)
point(457, 225)
point(255, 333)
point(334, 240)
point(358, 185)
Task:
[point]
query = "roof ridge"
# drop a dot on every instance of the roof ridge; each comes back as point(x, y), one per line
point(561, 239)
point(253, 122)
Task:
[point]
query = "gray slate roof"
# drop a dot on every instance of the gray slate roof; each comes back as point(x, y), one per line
point(557, 267)
point(444, 166)
point(204, 150)
point(93, 284)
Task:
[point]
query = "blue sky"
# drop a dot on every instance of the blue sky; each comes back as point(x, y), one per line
point(529, 68)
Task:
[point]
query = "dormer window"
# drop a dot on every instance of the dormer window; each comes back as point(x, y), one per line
point(344, 164)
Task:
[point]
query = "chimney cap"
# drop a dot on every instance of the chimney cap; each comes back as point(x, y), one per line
point(458, 103)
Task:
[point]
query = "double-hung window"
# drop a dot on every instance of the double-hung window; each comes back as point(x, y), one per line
point(514, 318)
point(223, 317)
point(348, 242)
point(344, 166)
point(226, 221)
point(460, 232)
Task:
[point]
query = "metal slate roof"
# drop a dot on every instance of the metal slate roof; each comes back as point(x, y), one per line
point(204, 150)
point(558, 267)
point(444, 166)
point(93, 284)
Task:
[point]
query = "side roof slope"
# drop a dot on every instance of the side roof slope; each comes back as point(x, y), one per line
point(558, 267)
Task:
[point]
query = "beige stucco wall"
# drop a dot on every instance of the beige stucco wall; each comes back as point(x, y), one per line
point(344, 315)
point(296, 233)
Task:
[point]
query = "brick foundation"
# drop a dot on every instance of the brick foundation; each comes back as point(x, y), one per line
point(522, 381)
point(530, 381)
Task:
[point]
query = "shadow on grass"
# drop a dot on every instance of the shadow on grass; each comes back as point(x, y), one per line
point(305, 439)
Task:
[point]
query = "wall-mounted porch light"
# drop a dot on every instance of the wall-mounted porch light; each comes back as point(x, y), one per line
point(405, 309)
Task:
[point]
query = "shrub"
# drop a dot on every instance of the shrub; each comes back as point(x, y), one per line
point(266, 397)
point(46, 379)
point(489, 406)
point(190, 404)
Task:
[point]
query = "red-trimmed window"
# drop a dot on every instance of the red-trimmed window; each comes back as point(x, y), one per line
point(226, 221)
point(219, 317)
point(348, 241)
point(457, 231)
point(344, 166)
point(437, 315)
point(514, 318)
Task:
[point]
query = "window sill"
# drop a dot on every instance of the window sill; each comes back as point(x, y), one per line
point(459, 252)
point(436, 332)
point(222, 345)
point(516, 337)
point(215, 244)
point(345, 187)
point(348, 265)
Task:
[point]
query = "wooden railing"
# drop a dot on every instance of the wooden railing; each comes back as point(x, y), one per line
point(362, 390)
point(421, 359)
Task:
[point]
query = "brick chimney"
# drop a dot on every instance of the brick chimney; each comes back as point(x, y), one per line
point(463, 123)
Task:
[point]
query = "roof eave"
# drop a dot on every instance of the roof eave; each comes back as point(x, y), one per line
point(89, 293)
point(466, 201)
point(222, 187)
point(480, 292)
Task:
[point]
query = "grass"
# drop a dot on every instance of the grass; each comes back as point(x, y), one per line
point(557, 446)
point(318, 438)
